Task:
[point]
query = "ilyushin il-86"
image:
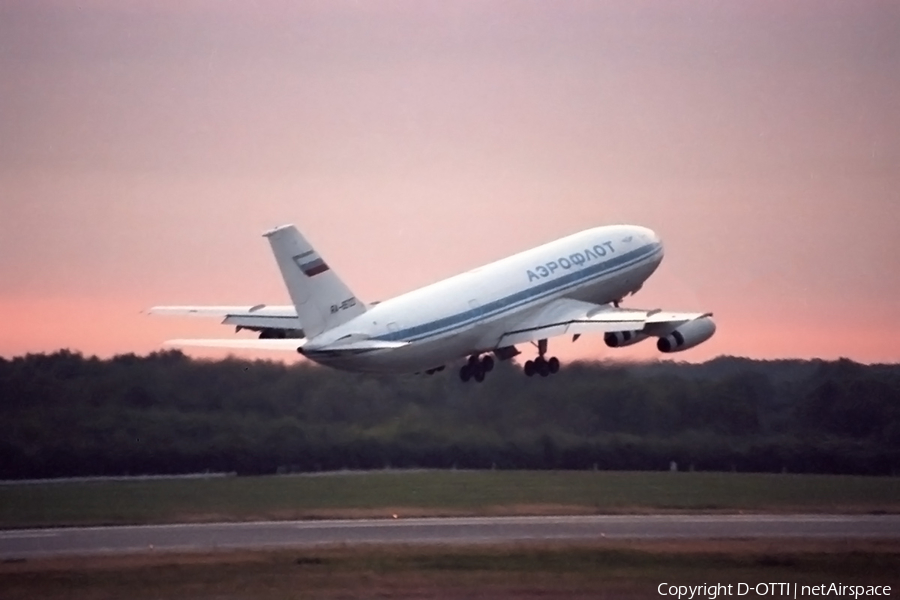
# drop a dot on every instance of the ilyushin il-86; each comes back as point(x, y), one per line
point(571, 286)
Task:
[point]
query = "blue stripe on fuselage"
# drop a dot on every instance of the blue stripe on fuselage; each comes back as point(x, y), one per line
point(518, 299)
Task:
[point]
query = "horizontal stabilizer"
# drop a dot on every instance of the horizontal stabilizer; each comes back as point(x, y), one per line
point(291, 344)
point(256, 317)
point(241, 343)
point(260, 310)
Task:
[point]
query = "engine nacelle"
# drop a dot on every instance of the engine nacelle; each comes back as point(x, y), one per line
point(687, 336)
point(619, 339)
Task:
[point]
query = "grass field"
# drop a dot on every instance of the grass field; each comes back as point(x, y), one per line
point(608, 570)
point(422, 493)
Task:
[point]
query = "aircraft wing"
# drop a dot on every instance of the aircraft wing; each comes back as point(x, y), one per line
point(222, 311)
point(259, 316)
point(567, 316)
point(292, 344)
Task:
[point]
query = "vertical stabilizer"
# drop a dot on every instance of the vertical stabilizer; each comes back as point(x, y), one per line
point(320, 297)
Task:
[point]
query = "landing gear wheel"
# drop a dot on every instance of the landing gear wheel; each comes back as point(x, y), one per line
point(553, 365)
point(529, 368)
point(542, 367)
point(475, 368)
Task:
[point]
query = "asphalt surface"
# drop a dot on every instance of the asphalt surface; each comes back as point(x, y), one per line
point(26, 543)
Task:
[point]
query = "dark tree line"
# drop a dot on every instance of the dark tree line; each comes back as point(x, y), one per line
point(66, 415)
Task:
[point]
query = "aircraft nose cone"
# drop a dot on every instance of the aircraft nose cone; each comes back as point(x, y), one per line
point(649, 238)
point(648, 234)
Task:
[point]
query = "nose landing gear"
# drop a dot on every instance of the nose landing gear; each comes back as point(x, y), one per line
point(540, 365)
point(476, 368)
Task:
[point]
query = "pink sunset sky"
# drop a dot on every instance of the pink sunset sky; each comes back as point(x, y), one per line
point(146, 145)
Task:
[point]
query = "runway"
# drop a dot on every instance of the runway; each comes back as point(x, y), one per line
point(29, 543)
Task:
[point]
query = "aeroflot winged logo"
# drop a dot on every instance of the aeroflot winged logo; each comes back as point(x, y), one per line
point(310, 265)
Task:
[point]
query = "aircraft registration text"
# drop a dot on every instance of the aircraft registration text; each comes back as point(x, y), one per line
point(343, 305)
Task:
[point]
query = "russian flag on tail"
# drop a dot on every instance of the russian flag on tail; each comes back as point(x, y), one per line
point(309, 264)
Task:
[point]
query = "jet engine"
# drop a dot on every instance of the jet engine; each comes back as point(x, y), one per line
point(619, 339)
point(687, 336)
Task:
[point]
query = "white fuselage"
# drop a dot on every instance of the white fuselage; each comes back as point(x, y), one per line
point(470, 312)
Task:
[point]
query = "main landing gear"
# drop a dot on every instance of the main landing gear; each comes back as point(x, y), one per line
point(542, 366)
point(476, 368)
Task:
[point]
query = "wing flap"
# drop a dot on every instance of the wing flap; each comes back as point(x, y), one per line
point(660, 323)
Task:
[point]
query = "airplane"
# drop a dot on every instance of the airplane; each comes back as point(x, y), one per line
point(572, 286)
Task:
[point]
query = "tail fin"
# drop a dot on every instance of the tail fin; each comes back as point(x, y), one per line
point(320, 297)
